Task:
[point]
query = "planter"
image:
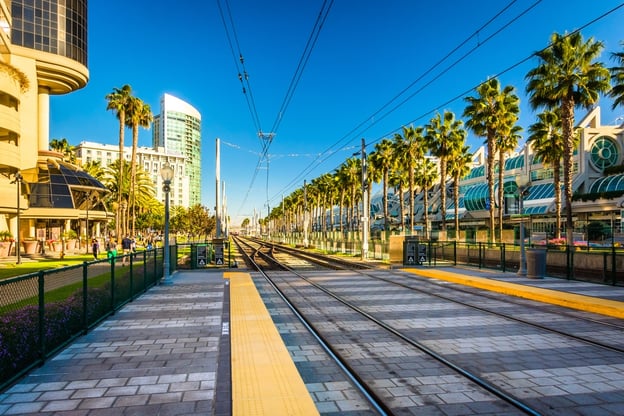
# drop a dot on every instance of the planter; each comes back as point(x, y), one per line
point(30, 246)
point(70, 245)
point(5, 248)
point(57, 246)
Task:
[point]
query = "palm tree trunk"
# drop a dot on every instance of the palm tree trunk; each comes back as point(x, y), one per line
point(490, 179)
point(567, 124)
point(118, 225)
point(426, 207)
point(557, 186)
point(443, 191)
point(411, 201)
point(402, 207)
point(456, 202)
point(501, 169)
point(135, 145)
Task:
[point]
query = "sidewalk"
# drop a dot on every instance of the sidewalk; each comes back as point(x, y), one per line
point(158, 355)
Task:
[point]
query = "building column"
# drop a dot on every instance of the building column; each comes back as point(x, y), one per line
point(43, 121)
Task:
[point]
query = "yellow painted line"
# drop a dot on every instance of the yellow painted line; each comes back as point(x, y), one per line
point(265, 380)
point(570, 300)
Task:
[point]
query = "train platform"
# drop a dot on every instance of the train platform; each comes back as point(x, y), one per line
point(206, 345)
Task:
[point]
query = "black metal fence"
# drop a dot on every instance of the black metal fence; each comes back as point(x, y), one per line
point(42, 312)
point(592, 264)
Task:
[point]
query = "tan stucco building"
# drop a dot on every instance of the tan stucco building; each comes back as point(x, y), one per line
point(43, 52)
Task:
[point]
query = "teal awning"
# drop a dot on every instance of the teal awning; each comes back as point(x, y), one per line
point(609, 183)
point(476, 172)
point(476, 196)
point(514, 162)
point(541, 191)
point(539, 209)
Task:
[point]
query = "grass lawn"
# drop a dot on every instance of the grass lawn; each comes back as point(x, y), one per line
point(8, 268)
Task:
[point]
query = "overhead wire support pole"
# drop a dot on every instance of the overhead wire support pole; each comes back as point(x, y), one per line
point(365, 204)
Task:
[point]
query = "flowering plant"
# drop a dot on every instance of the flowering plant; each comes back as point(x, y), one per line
point(558, 241)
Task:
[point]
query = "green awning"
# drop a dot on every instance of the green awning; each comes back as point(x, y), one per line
point(609, 183)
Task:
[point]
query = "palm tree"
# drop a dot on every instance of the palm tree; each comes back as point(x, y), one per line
point(568, 76)
point(488, 113)
point(354, 179)
point(506, 141)
point(120, 188)
point(327, 188)
point(373, 175)
point(546, 139)
point(617, 77)
point(459, 165)
point(94, 168)
point(411, 148)
point(443, 132)
point(399, 180)
point(383, 158)
point(138, 114)
point(118, 101)
point(426, 175)
point(63, 146)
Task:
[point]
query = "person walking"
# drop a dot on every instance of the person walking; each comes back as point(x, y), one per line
point(95, 248)
point(126, 246)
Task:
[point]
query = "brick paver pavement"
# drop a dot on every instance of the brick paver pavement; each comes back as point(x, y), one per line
point(158, 355)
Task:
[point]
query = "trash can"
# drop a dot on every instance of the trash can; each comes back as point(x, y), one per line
point(536, 262)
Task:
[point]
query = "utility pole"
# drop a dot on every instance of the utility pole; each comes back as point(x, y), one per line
point(218, 188)
point(365, 204)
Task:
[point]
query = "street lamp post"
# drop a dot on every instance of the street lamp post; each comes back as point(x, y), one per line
point(522, 181)
point(166, 172)
point(18, 181)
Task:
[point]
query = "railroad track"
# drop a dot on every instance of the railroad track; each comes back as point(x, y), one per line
point(363, 314)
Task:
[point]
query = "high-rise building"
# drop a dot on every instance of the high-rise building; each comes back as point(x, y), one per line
point(177, 129)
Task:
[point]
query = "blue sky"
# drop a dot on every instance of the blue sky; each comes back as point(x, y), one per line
point(367, 52)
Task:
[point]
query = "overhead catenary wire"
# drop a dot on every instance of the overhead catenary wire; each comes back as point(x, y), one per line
point(303, 61)
point(358, 129)
point(239, 63)
point(459, 96)
point(267, 138)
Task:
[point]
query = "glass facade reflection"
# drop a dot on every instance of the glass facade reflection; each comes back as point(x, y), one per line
point(62, 187)
point(54, 26)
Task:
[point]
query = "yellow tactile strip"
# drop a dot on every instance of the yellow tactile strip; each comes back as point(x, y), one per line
point(570, 300)
point(265, 380)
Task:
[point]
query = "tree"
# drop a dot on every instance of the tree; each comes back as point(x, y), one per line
point(352, 178)
point(120, 189)
point(138, 114)
point(568, 76)
point(506, 141)
point(442, 135)
point(487, 114)
point(399, 181)
point(94, 168)
point(459, 165)
point(410, 146)
point(617, 78)
point(546, 139)
point(63, 146)
point(384, 159)
point(118, 101)
point(426, 175)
